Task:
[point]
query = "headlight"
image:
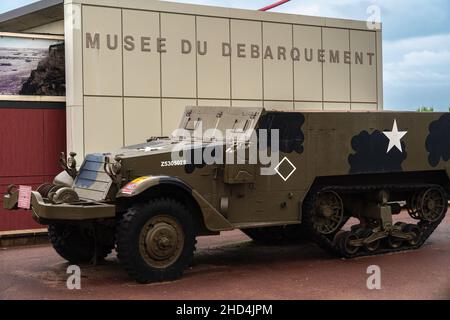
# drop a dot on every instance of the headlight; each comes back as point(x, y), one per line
point(71, 162)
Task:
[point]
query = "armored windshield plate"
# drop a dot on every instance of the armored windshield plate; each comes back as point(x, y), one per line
point(93, 182)
point(218, 123)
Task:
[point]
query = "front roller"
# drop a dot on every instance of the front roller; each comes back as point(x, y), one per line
point(156, 240)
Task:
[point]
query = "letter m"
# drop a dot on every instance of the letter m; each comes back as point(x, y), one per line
point(334, 56)
point(92, 43)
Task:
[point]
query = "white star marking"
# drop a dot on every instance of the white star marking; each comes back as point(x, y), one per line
point(395, 137)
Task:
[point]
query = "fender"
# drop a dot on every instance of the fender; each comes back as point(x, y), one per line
point(142, 184)
point(213, 220)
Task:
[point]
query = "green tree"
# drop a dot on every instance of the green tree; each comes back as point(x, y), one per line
point(425, 109)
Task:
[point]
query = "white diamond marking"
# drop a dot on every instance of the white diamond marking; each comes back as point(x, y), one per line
point(277, 169)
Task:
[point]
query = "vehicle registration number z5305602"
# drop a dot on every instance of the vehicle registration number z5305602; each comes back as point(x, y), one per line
point(175, 163)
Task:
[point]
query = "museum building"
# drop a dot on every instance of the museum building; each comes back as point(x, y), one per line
point(95, 75)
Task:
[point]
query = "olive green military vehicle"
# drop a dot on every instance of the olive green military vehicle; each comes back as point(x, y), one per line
point(151, 201)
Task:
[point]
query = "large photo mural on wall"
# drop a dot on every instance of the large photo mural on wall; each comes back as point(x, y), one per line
point(31, 67)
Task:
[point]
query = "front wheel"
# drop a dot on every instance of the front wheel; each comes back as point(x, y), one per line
point(156, 240)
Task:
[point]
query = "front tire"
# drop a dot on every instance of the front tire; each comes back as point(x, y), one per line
point(156, 240)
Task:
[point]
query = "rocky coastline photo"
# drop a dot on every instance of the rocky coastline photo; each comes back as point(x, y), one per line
point(32, 67)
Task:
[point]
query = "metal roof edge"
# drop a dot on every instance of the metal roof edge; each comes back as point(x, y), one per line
point(28, 9)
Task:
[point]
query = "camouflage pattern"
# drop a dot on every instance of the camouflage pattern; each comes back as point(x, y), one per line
point(345, 145)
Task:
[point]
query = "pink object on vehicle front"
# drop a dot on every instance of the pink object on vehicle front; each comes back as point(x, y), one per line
point(24, 197)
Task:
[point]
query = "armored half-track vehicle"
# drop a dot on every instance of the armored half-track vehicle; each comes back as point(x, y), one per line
point(277, 176)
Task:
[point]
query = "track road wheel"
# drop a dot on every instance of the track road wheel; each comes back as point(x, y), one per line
point(345, 244)
point(76, 244)
point(372, 246)
point(415, 230)
point(156, 240)
point(393, 242)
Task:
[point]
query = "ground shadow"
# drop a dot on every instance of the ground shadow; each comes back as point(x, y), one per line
point(209, 260)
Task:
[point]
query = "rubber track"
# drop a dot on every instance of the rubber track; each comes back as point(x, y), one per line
point(427, 228)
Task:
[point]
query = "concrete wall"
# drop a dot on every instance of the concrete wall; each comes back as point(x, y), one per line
point(130, 73)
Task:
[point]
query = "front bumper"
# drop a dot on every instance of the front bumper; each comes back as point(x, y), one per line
point(45, 212)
